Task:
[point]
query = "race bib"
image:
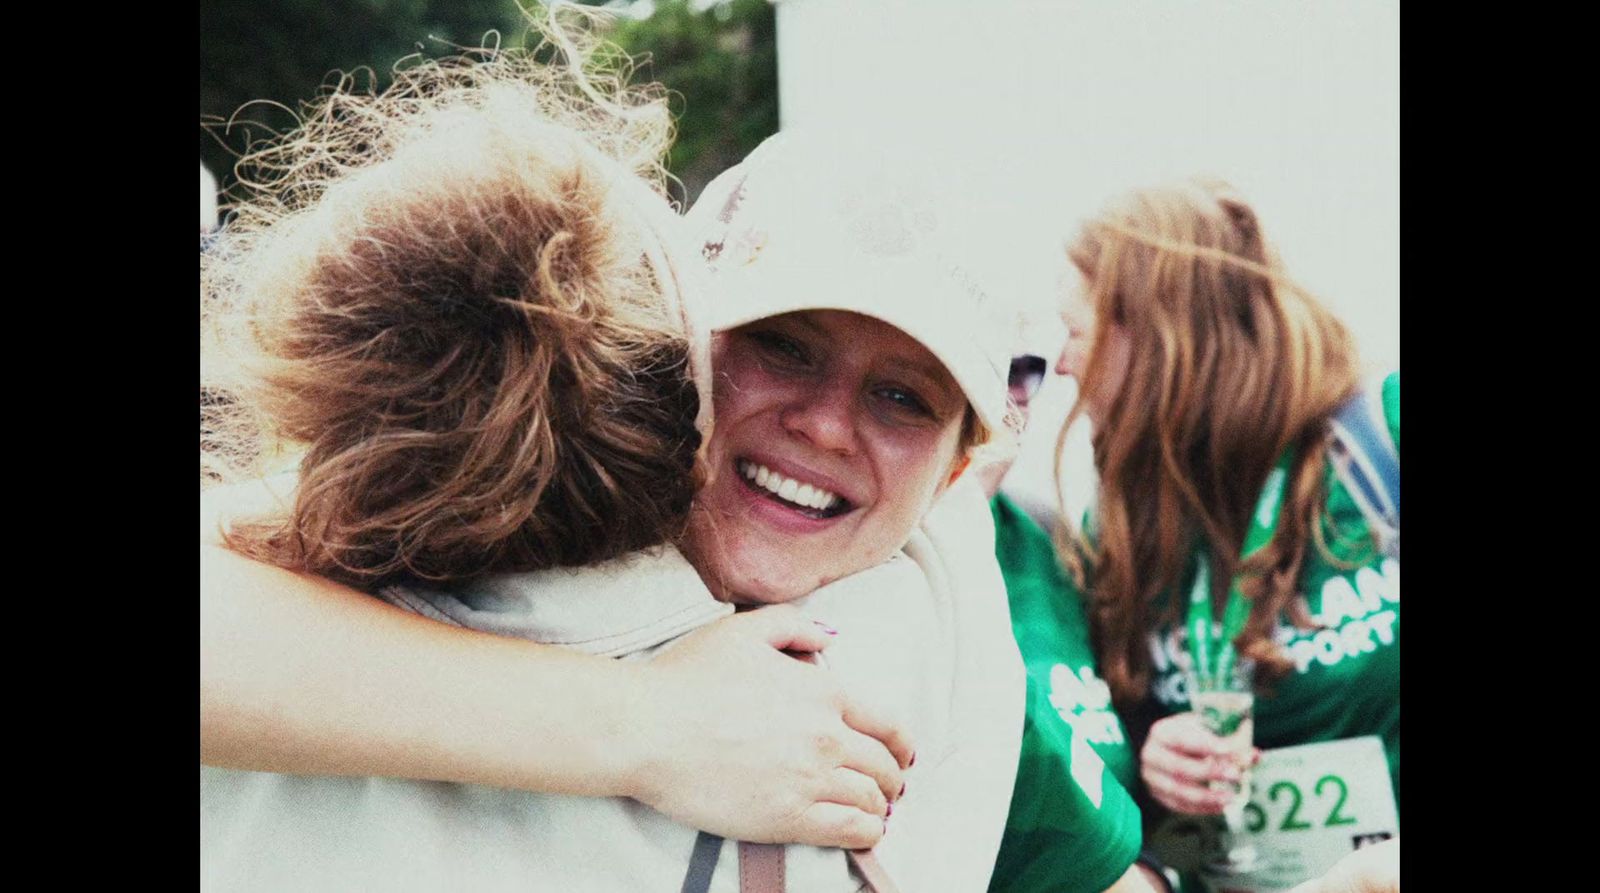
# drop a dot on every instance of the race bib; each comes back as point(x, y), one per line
point(1310, 805)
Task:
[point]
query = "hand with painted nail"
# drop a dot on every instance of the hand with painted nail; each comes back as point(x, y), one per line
point(795, 759)
point(1181, 760)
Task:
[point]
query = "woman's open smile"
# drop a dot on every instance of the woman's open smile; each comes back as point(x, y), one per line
point(767, 481)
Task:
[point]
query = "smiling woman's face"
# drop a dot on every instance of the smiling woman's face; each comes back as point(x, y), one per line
point(833, 434)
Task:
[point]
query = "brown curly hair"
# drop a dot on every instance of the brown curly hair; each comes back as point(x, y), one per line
point(438, 298)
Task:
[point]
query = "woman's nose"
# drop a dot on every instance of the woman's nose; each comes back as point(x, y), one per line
point(824, 417)
point(1067, 363)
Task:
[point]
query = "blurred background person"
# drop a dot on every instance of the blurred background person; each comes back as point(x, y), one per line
point(1072, 826)
point(1221, 535)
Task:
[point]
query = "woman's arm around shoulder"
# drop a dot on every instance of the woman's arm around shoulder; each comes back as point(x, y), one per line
point(302, 675)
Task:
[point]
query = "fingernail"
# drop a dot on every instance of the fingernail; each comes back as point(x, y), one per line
point(913, 760)
point(826, 628)
point(902, 791)
point(889, 812)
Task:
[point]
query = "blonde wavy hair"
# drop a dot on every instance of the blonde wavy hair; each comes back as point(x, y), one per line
point(438, 299)
point(1232, 364)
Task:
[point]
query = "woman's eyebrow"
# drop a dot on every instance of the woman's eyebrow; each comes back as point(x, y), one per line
point(804, 320)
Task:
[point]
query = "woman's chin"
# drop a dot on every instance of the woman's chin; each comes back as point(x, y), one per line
point(764, 583)
point(753, 592)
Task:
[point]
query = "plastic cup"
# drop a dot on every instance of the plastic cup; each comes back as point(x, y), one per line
point(1225, 703)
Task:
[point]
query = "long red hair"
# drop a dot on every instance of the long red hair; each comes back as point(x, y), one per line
point(1231, 364)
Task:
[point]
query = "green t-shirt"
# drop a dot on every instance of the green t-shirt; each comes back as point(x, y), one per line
point(1346, 677)
point(1072, 827)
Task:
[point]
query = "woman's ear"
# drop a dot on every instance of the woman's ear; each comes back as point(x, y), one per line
point(960, 466)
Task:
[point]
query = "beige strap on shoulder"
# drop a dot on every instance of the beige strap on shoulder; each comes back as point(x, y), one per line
point(761, 869)
point(871, 871)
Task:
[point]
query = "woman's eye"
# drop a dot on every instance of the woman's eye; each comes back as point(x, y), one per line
point(905, 401)
point(780, 347)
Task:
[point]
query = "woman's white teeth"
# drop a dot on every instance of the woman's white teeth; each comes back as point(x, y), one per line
point(787, 489)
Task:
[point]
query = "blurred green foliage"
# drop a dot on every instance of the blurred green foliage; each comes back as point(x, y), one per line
point(722, 66)
point(719, 64)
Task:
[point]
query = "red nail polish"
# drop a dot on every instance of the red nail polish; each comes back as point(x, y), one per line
point(913, 760)
point(902, 791)
point(888, 812)
point(826, 628)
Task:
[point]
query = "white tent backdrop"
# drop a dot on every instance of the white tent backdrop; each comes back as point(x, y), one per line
point(1036, 112)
